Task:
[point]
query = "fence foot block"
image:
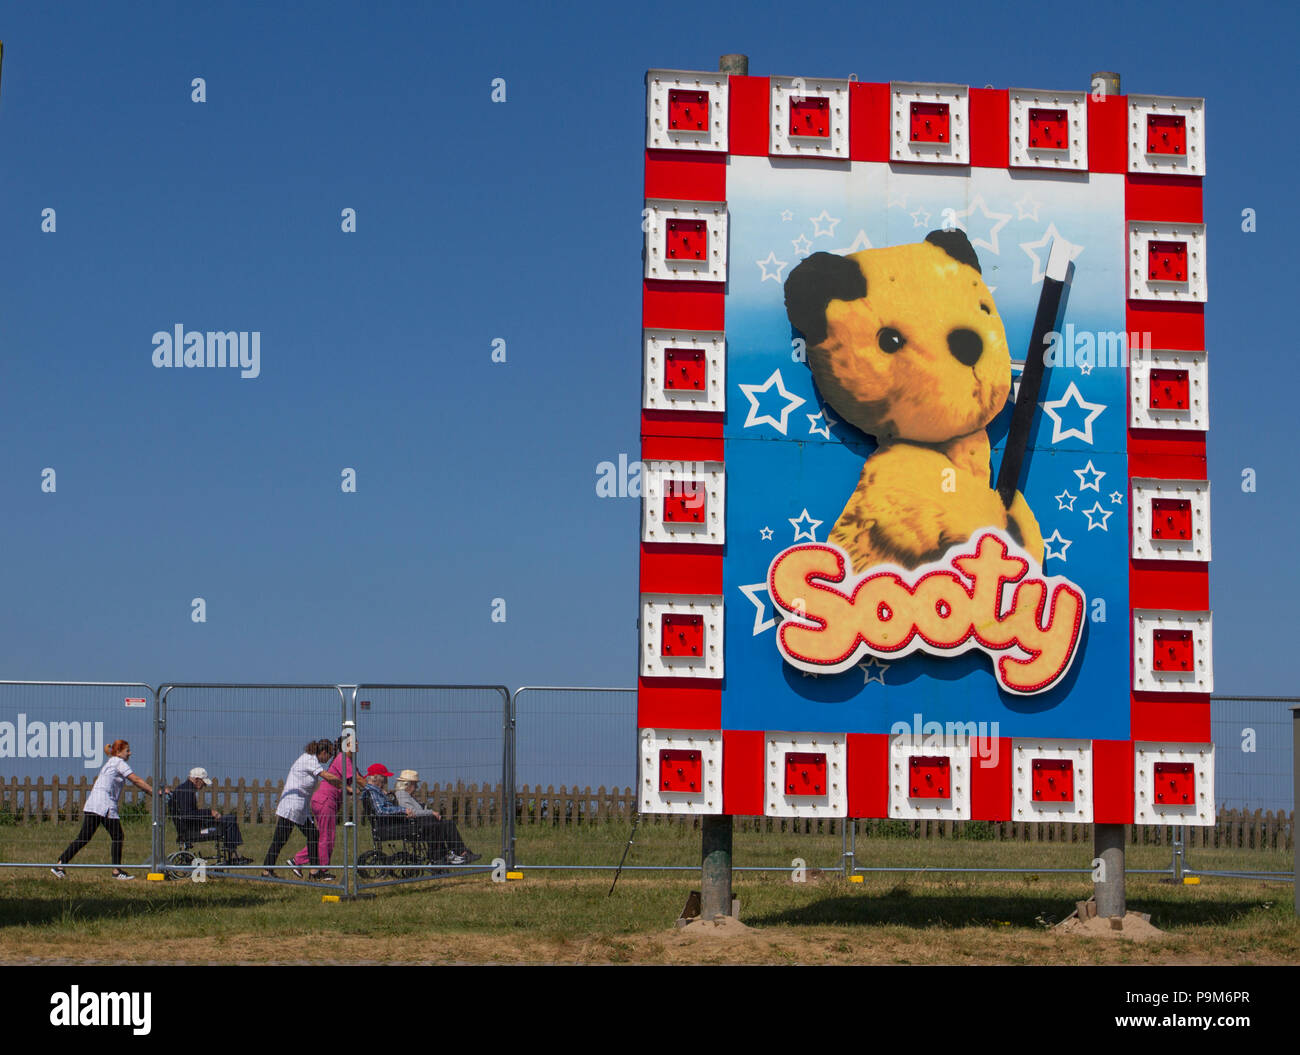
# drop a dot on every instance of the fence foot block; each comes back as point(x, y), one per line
point(156, 877)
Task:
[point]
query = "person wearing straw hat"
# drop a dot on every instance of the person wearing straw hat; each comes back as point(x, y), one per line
point(443, 835)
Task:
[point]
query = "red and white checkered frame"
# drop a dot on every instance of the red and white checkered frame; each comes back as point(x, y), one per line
point(1161, 446)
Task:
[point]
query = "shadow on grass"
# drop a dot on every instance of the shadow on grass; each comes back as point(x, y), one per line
point(898, 907)
point(68, 907)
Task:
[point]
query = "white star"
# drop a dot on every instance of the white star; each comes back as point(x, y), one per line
point(774, 262)
point(802, 247)
point(1061, 502)
point(765, 533)
point(752, 392)
point(810, 533)
point(824, 429)
point(1027, 208)
point(751, 591)
point(1085, 369)
point(1097, 510)
point(997, 221)
point(1094, 475)
point(858, 244)
point(1045, 244)
point(891, 200)
point(787, 216)
point(1116, 498)
point(920, 223)
point(824, 218)
point(870, 664)
point(1053, 409)
point(1064, 543)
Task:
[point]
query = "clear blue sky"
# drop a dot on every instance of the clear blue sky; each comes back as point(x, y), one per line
point(475, 221)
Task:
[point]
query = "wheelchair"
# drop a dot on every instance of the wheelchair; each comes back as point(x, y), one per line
point(189, 834)
point(398, 842)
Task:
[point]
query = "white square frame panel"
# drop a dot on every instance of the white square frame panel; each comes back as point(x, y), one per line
point(655, 476)
point(1196, 417)
point(713, 268)
point(659, 133)
point(1147, 810)
point(778, 803)
point(901, 148)
point(901, 805)
point(653, 608)
point(784, 91)
point(1026, 155)
point(1144, 546)
point(1192, 163)
point(1023, 753)
point(712, 397)
point(709, 798)
point(1141, 233)
point(1146, 679)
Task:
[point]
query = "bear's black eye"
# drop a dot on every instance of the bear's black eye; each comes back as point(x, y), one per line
point(986, 309)
point(889, 339)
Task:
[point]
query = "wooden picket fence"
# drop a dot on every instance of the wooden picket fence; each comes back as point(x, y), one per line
point(59, 800)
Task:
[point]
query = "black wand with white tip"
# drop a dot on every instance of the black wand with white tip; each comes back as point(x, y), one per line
point(1055, 280)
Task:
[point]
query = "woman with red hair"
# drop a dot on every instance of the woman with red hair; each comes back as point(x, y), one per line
point(101, 808)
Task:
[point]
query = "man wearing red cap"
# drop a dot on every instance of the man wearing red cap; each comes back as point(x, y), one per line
point(375, 792)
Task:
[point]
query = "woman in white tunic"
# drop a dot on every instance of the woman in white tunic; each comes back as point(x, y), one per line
point(101, 808)
point(294, 808)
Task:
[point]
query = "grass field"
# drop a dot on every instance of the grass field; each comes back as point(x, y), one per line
point(559, 917)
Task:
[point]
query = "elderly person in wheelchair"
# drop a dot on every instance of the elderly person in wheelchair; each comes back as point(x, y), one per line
point(195, 825)
point(423, 834)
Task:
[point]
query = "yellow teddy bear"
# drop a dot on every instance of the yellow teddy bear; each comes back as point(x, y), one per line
point(907, 344)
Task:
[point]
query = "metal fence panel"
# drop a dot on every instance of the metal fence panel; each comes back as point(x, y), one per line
point(1252, 752)
point(247, 736)
point(52, 740)
point(456, 738)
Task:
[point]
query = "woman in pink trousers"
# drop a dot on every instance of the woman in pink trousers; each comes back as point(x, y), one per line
point(325, 803)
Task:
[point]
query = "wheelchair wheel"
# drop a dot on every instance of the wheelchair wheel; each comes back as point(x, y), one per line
point(175, 867)
point(368, 859)
point(404, 858)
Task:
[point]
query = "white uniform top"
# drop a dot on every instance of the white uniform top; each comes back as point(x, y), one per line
point(108, 786)
point(295, 800)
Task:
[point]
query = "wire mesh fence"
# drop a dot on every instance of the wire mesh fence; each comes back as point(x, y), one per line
point(543, 779)
point(53, 739)
point(444, 753)
point(261, 806)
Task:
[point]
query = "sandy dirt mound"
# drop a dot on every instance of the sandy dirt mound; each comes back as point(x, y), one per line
point(720, 927)
point(1136, 926)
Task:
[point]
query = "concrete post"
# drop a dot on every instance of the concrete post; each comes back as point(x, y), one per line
point(1108, 846)
point(715, 865)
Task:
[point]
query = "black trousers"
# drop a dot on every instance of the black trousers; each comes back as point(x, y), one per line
point(283, 829)
point(90, 823)
point(442, 836)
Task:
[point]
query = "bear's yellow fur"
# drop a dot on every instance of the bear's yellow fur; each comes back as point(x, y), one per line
point(921, 363)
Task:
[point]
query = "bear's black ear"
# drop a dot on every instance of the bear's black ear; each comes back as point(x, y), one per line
point(820, 279)
point(956, 245)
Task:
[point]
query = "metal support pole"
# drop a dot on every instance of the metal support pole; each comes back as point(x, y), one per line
point(1109, 82)
point(715, 867)
point(1108, 845)
point(1295, 801)
point(734, 65)
point(1178, 864)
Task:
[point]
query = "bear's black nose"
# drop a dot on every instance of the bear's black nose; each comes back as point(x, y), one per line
point(965, 346)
